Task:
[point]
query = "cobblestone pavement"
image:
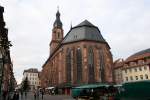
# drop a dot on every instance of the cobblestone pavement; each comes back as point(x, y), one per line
point(47, 97)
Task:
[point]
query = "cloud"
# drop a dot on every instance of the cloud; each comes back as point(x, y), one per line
point(124, 25)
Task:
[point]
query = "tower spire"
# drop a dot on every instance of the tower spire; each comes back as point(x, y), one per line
point(57, 22)
point(57, 32)
point(57, 8)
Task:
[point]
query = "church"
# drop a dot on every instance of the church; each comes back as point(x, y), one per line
point(82, 56)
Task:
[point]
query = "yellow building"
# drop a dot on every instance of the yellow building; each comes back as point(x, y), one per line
point(134, 68)
point(137, 67)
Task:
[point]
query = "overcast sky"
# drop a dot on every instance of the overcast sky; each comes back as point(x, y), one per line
point(125, 24)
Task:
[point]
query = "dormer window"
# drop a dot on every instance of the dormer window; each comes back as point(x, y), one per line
point(141, 62)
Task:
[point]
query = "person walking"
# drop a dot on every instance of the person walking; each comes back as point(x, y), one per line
point(25, 94)
point(34, 92)
point(21, 92)
point(42, 92)
point(16, 96)
point(37, 94)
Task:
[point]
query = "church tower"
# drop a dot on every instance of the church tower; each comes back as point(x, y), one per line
point(57, 33)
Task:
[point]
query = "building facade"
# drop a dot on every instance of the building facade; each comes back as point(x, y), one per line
point(117, 71)
point(81, 57)
point(134, 68)
point(137, 67)
point(7, 79)
point(32, 75)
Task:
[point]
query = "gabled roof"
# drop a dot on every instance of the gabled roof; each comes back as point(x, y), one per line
point(143, 53)
point(84, 31)
point(85, 23)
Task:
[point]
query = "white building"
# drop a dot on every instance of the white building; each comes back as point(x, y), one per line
point(32, 75)
point(134, 68)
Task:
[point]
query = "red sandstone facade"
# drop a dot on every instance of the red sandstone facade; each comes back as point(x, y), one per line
point(93, 64)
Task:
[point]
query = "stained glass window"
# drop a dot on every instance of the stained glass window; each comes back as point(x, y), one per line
point(79, 65)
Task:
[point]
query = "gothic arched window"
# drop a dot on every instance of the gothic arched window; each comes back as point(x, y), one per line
point(91, 66)
point(102, 65)
point(68, 65)
point(79, 65)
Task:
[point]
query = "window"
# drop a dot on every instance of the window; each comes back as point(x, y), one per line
point(58, 34)
point(68, 65)
point(91, 65)
point(141, 77)
point(126, 78)
point(146, 76)
point(125, 70)
point(135, 69)
point(145, 67)
point(79, 64)
point(136, 77)
point(130, 70)
point(131, 78)
point(140, 69)
point(102, 65)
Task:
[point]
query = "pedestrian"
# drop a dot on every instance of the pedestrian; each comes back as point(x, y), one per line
point(21, 92)
point(42, 92)
point(16, 96)
point(37, 94)
point(34, 92)
point(25, 94)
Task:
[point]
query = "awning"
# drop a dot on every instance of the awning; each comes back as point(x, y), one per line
point(50, 88)
point(93, 86)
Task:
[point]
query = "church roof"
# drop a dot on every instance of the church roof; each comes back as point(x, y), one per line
point(84, 31)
